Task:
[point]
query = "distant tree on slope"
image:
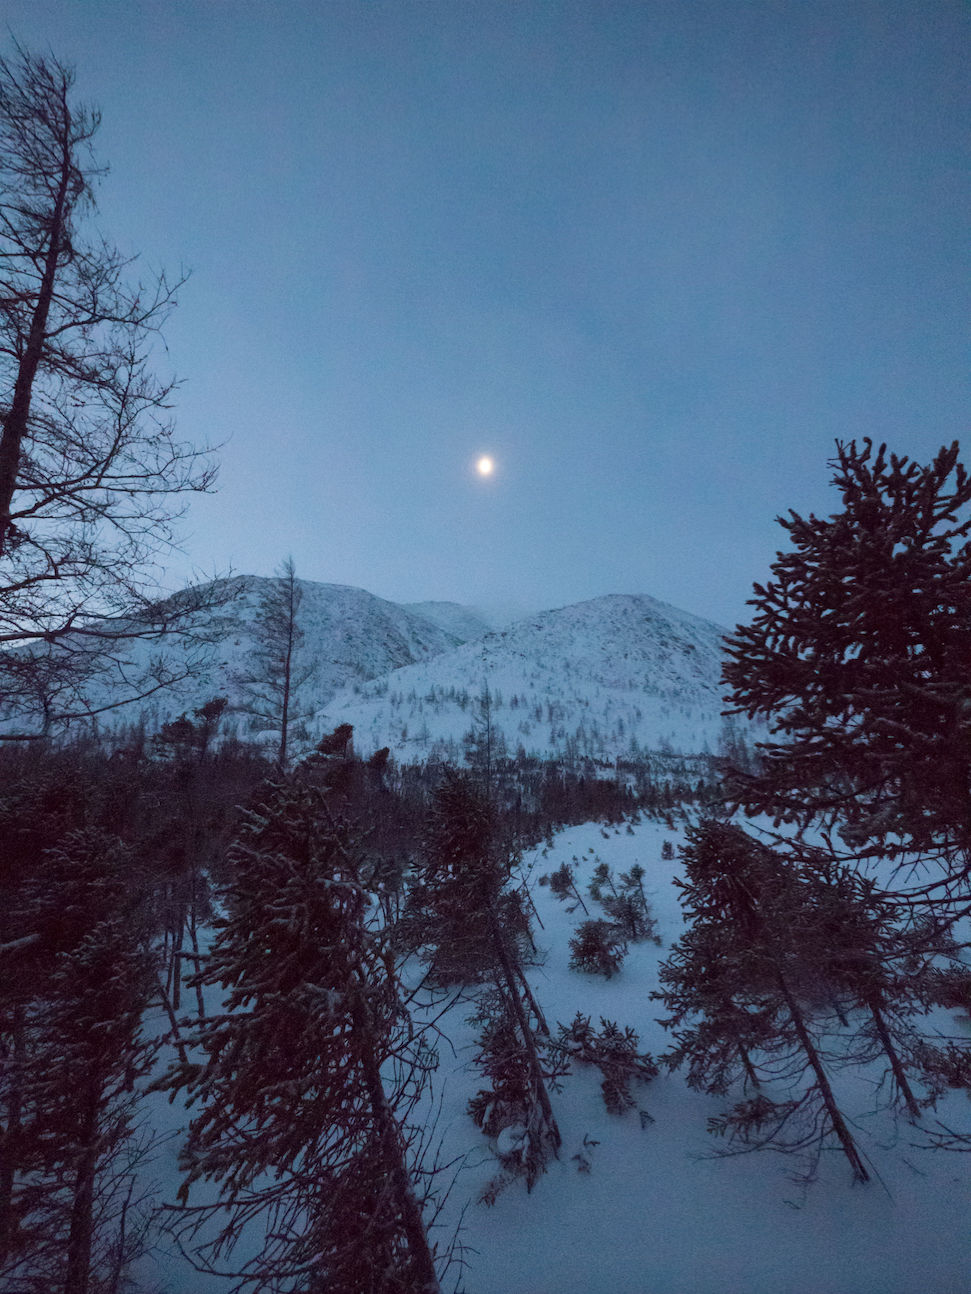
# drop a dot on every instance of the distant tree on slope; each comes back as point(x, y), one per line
point(276, 671)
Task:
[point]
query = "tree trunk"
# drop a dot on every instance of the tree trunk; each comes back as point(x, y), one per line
point(534, 1005)
point(539, 1083)
point(903, 1086)
point(393, 1152)
point(749, 1067)
point(860, 1173)
point(15, 423)
point(8, 1159)
point(82, 1210)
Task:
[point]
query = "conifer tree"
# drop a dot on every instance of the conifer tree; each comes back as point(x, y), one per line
point(308, 1072)
point(598, 947)
point(485, 742)
point(857, 657)
point(476, 928)
point(614, 1053)
point(627, 906)
point(731, 985)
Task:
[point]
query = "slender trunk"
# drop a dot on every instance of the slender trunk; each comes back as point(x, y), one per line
point(534, 1005)
point(529, 899)
point(573, 885)
point(9, 1157)
point(749, 1067)
point(903, 1086)
point(390, 1139)
point(176, 977)
point(15, 423)
point(539, 1083)
point(119, 1264)
point(287, 669)
point(860, 1173)
point(176, 1035)
point(200, 1000)
point(82, 1210)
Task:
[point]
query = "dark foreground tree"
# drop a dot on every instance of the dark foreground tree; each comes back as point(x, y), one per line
point(74, 993)
point(90, 468)
point(858, 657)
point(308, 1073)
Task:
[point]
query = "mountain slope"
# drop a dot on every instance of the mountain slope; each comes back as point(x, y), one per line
point(607, 678)
point(350, 634)
point(464, 622)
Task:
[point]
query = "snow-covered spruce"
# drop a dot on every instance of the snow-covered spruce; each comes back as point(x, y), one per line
point(472, 926)
point(298, 1124)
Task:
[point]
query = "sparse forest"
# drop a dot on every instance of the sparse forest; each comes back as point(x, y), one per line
point(279, 939)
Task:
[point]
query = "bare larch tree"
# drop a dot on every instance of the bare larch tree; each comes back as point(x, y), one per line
point(89, 462)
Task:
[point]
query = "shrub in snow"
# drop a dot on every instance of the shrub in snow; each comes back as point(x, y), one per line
point(614, 1053)
point(626, 904)
point(599, 948)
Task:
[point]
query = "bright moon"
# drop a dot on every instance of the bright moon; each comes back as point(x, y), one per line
point(484, 466)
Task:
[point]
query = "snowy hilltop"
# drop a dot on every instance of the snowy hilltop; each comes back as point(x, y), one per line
point(610, 678)
point(613, 678)
point(349, 636)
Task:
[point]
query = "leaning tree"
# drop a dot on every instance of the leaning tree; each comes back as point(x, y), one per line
point(307, 1074)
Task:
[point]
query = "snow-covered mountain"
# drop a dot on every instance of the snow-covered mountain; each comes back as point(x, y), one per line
point(465, 623)
point(609, 678)
point(350, 635)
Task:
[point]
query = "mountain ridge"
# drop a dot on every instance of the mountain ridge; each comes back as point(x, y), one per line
point(608, 678)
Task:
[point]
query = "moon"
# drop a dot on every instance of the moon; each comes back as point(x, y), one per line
point(485, 466)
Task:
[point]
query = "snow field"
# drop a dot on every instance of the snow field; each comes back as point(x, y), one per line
point(655, 1214)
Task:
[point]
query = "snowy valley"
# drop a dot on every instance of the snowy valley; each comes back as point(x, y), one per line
point(643, 1204)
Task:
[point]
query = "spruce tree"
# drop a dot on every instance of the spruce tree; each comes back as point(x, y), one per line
point(731, 984)
point(857, 657)
point(308, 1072)
point(475, 928)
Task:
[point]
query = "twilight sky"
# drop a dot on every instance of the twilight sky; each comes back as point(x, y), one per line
point(652, 256)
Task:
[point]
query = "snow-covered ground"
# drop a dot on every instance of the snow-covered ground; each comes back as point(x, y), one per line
point(655, 1214)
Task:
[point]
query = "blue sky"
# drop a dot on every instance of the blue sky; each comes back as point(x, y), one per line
point(654, 258)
